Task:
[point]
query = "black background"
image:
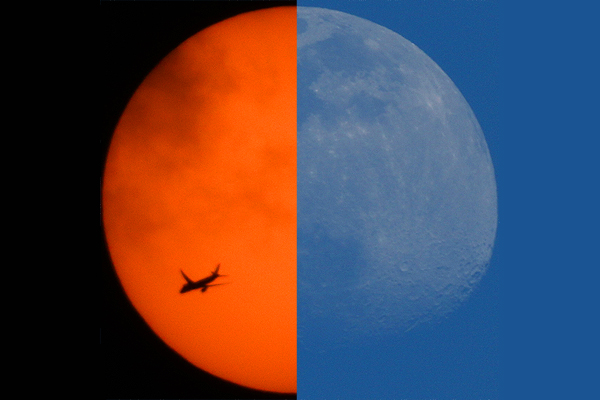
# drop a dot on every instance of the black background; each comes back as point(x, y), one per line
point(134, 37)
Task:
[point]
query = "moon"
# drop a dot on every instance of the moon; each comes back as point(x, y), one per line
point(201, 171)
point(397, 203)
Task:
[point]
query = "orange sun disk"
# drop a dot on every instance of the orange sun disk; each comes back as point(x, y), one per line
point(202, 170)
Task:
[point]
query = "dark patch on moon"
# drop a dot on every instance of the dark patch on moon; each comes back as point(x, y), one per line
point(301, 26)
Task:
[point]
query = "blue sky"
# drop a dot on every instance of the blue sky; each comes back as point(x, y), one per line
point(529, 73)
point(549, 142)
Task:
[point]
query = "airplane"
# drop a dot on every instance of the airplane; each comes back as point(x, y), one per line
point(202, 284)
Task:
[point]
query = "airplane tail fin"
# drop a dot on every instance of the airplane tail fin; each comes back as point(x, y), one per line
point(185, 277)
point(216, 271)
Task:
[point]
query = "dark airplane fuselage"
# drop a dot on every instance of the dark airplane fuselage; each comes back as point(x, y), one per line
point(199, 284)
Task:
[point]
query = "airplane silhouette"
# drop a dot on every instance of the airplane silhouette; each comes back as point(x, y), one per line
point(202, 284)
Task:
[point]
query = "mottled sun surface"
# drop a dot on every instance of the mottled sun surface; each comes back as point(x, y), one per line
point(202, 170)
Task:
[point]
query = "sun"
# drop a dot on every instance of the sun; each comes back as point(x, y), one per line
point(201, 171)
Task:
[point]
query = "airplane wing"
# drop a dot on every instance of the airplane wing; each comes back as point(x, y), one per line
point(219, 284)
point(214, 284)
point(186, 278)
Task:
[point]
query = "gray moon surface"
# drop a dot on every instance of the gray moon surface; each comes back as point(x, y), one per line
point(397, 203)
